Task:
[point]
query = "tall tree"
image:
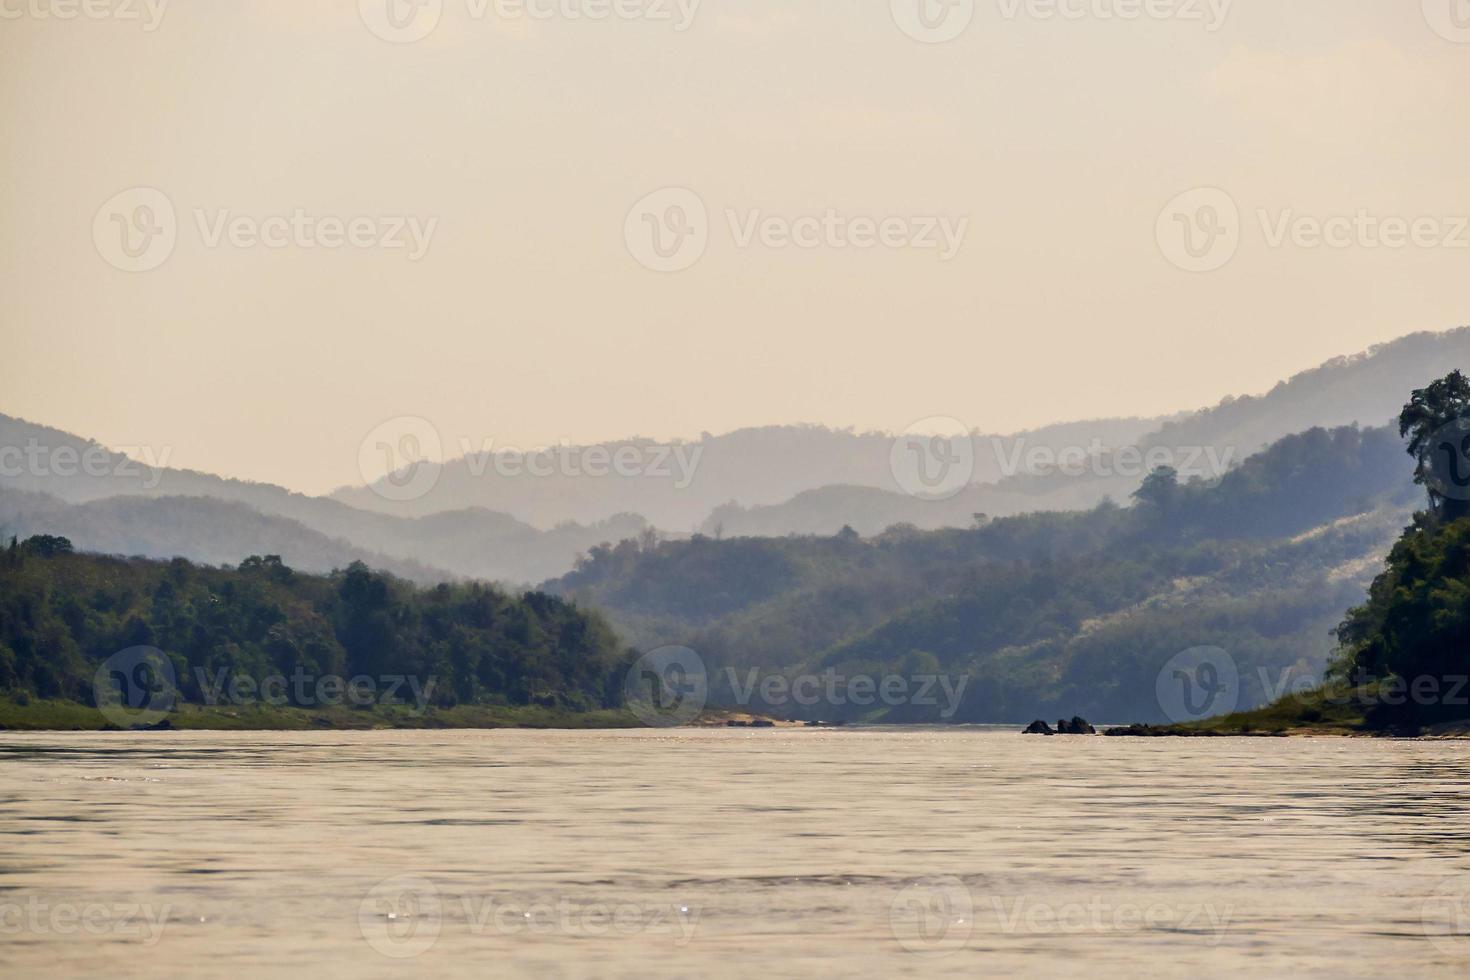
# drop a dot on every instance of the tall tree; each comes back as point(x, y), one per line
point(1436, 422)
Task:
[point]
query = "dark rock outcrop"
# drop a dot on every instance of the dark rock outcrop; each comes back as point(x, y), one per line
point(1077, 726)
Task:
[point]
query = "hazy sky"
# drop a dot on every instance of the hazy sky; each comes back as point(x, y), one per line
point(1049, 148)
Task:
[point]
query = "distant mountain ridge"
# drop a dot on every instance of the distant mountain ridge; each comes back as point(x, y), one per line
point(161, 523)
point(751, 467)
point(203, 529)
point(1365, 389)
point(763, 482)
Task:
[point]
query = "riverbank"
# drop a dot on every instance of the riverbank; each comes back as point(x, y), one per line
point(1328, 711)
point(39, 715)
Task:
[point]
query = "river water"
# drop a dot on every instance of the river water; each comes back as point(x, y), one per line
point(800, 853)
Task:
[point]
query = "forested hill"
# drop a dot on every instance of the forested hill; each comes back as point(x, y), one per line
point(63, 615)
point(1047, 613)
point(1367, 389)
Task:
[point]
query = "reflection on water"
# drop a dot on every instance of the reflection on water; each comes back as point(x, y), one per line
point(780, 853)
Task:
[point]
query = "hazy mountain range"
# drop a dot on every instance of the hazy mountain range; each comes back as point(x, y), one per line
point(749, 467)
point(1040, 615)
point(765, 482)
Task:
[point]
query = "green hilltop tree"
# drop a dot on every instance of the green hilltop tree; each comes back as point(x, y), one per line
point(1436, 421)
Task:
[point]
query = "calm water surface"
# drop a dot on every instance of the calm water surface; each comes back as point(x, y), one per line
point(964, 852)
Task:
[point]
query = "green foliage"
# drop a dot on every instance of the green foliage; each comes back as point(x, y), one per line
point(47, 546)
point(1429, 412)
point(1048, 614)
point(1416, 622)
point(62, 614)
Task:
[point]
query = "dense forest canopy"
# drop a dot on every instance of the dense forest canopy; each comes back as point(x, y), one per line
point(63, 614)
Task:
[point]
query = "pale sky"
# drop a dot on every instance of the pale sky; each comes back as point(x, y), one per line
point(520, 146)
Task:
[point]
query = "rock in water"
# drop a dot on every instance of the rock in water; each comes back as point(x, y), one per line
point(1038, 727)
point(1077, 726)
